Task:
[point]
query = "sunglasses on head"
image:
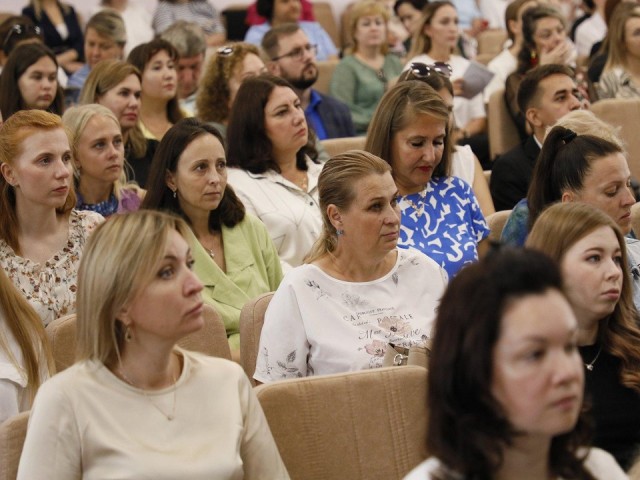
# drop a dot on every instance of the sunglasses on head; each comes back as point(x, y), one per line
point(17, 33)
point(422, 70)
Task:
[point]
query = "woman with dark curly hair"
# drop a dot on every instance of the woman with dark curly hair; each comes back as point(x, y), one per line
point(276, 174)
point(160, 109)
point(505, 378)
point(225, 72)
point(590, 249)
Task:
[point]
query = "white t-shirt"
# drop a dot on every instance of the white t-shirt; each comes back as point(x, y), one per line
point(318, 325)
point(87, 423)
point(600, 463)
point(463, 163)
point(464, 109)
point(503, 65)
point(291, 215)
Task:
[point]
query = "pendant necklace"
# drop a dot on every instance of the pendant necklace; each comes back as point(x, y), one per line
point(589, 366)
point(168, 416)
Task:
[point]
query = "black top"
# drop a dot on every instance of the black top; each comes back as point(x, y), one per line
point(52, 38)
point(511, 174)
point(141, 166)
point(616, 408)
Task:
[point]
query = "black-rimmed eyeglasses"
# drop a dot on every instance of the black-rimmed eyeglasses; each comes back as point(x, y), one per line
point(422, 70)
point(298, 52)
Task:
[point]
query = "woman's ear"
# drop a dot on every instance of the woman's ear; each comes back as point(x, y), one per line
point(568, 196)
point(334, 216)
point(8, 174)
point(170, 180)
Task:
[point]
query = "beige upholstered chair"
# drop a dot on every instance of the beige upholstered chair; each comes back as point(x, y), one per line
point(357, 425)
point(496, 222)
point(324, 16)
point(503, 133)
point(334, 146)
point(251, 321)
point(325, 72)
point(623, 113)
point(210, 340)
point(491, 41)
point(12, 434)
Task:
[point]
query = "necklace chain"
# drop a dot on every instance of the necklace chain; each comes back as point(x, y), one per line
point(419, 210)
point(589, 366)
point(168, 416)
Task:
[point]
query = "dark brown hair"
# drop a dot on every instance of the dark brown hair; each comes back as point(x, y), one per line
point(160, 197)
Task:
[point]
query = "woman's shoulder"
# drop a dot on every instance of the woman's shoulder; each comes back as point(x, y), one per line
point(426, 469)
point(201, 364)
point(409, 258)
point(451, 183)
point(603, 466)
point(86, 220)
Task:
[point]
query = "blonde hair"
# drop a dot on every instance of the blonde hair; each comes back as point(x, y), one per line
point(135, 243)
point(615, 41)
point(108, 23)
point(76, 119)
point(336, 187)
point(555, 231)
point(584, 122)
point(363, 9)
point(106, 75)
point(25, 325)
point(13, 133)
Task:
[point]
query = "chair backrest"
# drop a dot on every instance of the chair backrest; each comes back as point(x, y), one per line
point(334, 146)
point(496, 222)
point(623, 113)
point(324, 16)
point(251, 321)
point(503, 133)
point(356, 425)
point(325, 73)
point(211, 339)
point(492, 41)
point(12, 434)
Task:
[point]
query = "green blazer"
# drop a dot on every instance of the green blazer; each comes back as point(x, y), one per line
point(253, 268)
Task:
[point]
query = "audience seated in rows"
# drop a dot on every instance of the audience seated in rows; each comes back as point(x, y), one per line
point(41, 235)
point(590, 249)
point(117, 86)
point(293, 58)
point(135, 404)
point(97, 147)
point(505, 381)
point(440, 214)
point(234, 255)
point(356, 291)
point(545, 95)
point(275, 174)
point(362, 76)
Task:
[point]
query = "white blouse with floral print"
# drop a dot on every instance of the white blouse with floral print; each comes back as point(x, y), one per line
point(317, 324)
point(51, 287)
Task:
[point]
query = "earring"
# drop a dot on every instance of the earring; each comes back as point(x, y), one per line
point(175, 193)
point(127, 334)
point(339, 232)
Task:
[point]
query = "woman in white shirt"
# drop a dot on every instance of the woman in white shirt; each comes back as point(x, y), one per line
point(135, 405)
point(506, 379)
point(275, 174)
point(357, 292)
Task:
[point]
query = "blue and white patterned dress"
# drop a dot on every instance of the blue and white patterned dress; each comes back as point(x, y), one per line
point(445, 222)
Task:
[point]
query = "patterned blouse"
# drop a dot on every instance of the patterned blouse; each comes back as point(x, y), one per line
point(445, 222)
point(617, 83)
point(51, 287)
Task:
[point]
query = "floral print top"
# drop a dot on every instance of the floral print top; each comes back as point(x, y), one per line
point(445, 222)
point(51, 287)
point(317, 324)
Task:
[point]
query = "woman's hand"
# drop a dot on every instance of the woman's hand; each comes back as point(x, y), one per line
point(560, 54)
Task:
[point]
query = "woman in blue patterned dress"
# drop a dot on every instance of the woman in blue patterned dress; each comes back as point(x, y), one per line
point(440, 213)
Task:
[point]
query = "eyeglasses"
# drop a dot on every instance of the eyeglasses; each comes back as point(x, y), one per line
point(422, 70)
point(17, 33)
point(298, 52)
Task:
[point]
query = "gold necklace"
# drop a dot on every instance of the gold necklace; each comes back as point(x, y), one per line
point(419, 210)
point(168, 416)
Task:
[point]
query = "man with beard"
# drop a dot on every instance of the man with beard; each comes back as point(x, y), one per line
point(293, 58)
